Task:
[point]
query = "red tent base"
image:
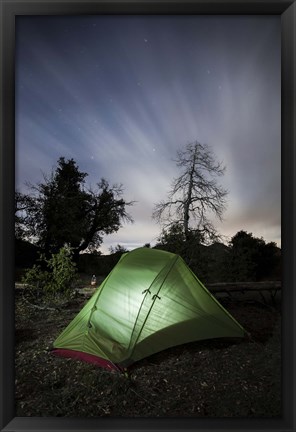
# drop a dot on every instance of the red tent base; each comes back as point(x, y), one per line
point(89, 358)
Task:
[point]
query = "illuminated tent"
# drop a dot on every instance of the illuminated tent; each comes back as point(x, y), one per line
point(149, 302)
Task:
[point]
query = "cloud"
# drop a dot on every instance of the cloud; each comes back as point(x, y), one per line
point(122, 107)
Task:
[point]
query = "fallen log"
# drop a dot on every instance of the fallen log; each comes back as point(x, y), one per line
point(244, 286)
point(271, 287)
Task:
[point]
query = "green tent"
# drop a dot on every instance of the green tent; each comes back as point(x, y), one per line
point(149, 302)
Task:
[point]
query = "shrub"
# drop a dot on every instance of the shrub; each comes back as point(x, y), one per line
point(56, 280)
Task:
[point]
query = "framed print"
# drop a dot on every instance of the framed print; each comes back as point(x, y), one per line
point(148, 148)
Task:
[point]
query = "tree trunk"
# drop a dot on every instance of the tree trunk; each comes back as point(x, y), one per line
point(189, 198)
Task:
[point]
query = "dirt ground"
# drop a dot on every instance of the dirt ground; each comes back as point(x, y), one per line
point(212, 378)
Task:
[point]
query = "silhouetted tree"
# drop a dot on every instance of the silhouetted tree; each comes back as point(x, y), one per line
point(191, 250)
point(251, 258)
point(172, 239)
point(22, 205)
point(194, 194)
point(62, 211)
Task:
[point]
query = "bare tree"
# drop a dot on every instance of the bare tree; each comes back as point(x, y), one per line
point(195, 194)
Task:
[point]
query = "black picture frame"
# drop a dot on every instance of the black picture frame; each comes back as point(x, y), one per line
point(9, 10)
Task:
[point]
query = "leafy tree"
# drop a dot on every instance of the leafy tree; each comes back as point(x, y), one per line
point(118, 249)
point(194, 194)
point(191, 250)
point(63, 211)
point(22, 204)
point(172, 239)
point(217, 255)
point(243, 257)
point(251, 258)
point(269, 261)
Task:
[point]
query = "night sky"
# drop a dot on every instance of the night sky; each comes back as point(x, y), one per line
point(121, 94)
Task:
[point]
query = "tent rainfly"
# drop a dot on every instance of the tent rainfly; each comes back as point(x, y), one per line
point(150, 301)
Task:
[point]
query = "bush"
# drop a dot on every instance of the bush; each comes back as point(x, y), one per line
point(57, 280)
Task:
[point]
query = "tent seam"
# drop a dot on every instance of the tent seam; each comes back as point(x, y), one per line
point(151, 307)
point(138, 314)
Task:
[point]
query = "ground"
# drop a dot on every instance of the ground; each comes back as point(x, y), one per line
point(212, 378)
